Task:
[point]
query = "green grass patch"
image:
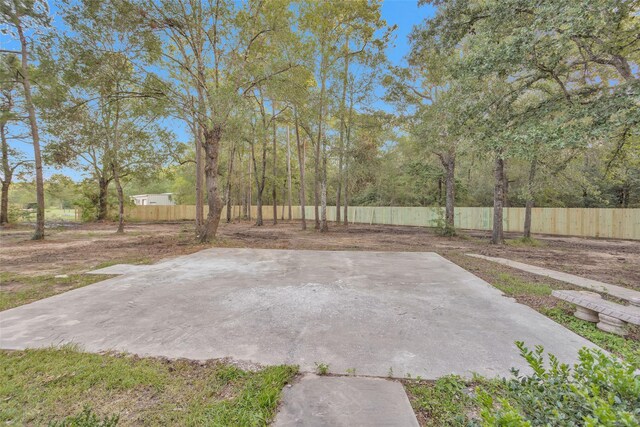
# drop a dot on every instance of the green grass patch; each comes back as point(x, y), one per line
point(627, 349)
point(525, 241)
point(444, 402)
point(17, 289)
point(511, 286)
point(450, 400)
point(51, 385)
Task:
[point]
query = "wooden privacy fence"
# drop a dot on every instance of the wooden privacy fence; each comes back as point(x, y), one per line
point(587, 222)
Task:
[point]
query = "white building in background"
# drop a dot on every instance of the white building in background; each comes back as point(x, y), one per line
point(153, 199)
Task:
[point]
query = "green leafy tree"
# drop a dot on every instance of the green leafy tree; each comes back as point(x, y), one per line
point(568, 64)
point(14, 163)
point(219, 48)
point(19, 18)
point(104, 118)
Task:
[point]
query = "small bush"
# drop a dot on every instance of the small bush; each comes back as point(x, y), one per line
point(16, 214)
point(600, 390)
point(442, 227)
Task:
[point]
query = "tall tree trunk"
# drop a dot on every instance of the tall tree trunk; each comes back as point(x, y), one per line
point(339, 190)
point(529, 203)
point(115, 168)
point(301, 160)
point(228, 189)
point(347, 158)
point(497, 236)
point(259, 220)
point(275, 165)
point(324, 225)
point(318, 178)
point(250, 190)
point(212, 149)
point(199, 178)
point(284, 189)
point(345, 220)
point(505, 192)
point(258, 190)
point(322, 156)
point(4, 209)
point(449, 163)
point(289, 192)
point(103, 198)
point(35, 136)
point(260, 182)
point(200, 113)
point(450, 193)
point(116, 179)
point(343, 112)
point(242, 188)
point(626, 189)
point(316, 187)
point(7, 174)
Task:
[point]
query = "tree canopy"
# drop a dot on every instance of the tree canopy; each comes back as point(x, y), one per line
point(498, 103)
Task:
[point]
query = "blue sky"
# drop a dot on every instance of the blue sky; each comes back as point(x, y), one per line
point(402, 13)
point(405, 14)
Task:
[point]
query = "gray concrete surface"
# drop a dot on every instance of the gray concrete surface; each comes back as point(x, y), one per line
point(415, 313)
point(345, 402)
point(614, 290)
point(594, 302)
point(118, 269)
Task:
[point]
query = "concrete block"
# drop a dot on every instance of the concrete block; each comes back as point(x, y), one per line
point(317, 401)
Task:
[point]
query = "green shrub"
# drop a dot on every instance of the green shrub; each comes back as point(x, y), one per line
point(16, 214)
point(440, 224)
point(600, 390)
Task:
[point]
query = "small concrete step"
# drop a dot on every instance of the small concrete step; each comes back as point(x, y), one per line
point(625, 313)
point(319, 401)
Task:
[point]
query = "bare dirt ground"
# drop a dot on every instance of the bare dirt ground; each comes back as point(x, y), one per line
point(83, 247)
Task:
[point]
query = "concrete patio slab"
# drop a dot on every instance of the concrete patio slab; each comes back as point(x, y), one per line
point(345, 402)
point(412, 313)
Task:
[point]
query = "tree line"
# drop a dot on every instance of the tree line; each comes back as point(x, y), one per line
point(295, 102)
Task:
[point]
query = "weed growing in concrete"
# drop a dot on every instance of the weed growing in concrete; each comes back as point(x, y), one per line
point(322, 368)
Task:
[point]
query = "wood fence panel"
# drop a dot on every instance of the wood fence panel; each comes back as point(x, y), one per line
point(586, 222)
